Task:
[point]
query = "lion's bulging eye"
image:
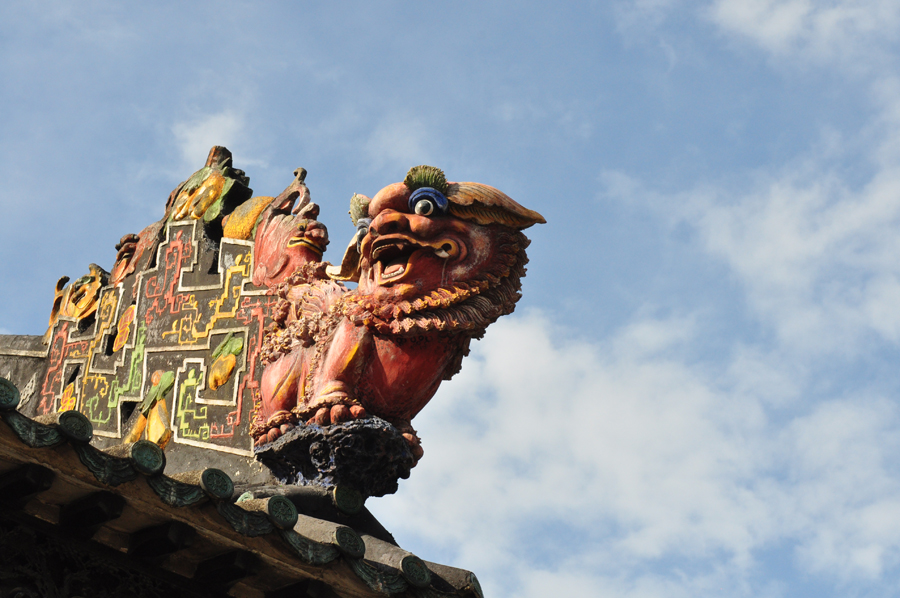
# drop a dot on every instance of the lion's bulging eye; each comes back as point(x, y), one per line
point(424, 207)
point(428, 202)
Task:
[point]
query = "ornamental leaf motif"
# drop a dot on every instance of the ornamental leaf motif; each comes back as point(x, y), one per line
point(379, 579)
point(108, 470)
point(30, 432)
point(175, 493)
point(247, 523)
point(310, 551)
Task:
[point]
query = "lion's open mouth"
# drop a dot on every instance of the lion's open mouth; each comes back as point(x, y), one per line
point(391, 257)
point(394, 256)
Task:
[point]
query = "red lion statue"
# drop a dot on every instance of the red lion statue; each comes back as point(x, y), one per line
point(436, 262)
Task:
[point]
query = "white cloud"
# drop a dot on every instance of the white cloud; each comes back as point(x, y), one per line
point(622, 446)
point(756, 373)
point(195, 137)
point(816, 254)
point(834, 31)
point(554, 463)
point(853, 34)
point(844, 496)
point(86, 25)
point(815, 250)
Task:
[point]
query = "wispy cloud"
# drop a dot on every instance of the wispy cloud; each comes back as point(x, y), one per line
point(840, 32)
point(87, 26)
point(638, 17)
point(816, 252)
point(195, 137)
point(628, 455)
point(667, 456)
point(855, 35)
point(554, 463)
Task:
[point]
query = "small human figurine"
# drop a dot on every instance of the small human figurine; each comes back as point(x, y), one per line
point(153, 422)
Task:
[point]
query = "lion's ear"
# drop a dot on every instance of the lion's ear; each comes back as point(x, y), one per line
point(348, 271)
point(483, 204)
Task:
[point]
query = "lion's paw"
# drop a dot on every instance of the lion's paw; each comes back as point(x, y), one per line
point(337, 414)
point(415, 445)
point(277, 425)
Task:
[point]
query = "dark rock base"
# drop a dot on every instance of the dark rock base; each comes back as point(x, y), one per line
point(368, 455)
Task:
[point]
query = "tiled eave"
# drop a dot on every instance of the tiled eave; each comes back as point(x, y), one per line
point(279, 547)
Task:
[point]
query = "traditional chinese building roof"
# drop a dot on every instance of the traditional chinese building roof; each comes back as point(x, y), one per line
point(211, 414)
point(195, 533)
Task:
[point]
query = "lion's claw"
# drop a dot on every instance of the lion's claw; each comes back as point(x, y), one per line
point(415, 445)
point(340, 414)
point(283, 421)
point(337, 414)
point(321, 417)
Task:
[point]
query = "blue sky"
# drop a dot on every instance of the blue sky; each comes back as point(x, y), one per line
point(697, 395)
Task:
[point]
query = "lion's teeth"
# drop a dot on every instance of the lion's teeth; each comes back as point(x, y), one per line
point(442, 253)
point(393, 271)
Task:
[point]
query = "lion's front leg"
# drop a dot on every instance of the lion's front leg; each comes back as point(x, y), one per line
point(281, 382)
point(333, 398)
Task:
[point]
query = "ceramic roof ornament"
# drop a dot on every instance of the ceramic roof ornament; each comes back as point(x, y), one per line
point(258, 390)
point(208, 192)
point(268, 353)
point(436, 263)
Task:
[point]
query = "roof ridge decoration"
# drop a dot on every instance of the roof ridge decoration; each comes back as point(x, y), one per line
point(220, 335)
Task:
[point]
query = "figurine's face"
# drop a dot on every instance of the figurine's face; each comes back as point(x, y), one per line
point(287, 236)
point(409, 252)
point(127, 254)
point(83, 295)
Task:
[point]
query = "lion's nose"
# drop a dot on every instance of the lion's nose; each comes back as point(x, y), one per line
point(389, 223)
point(400, 223)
